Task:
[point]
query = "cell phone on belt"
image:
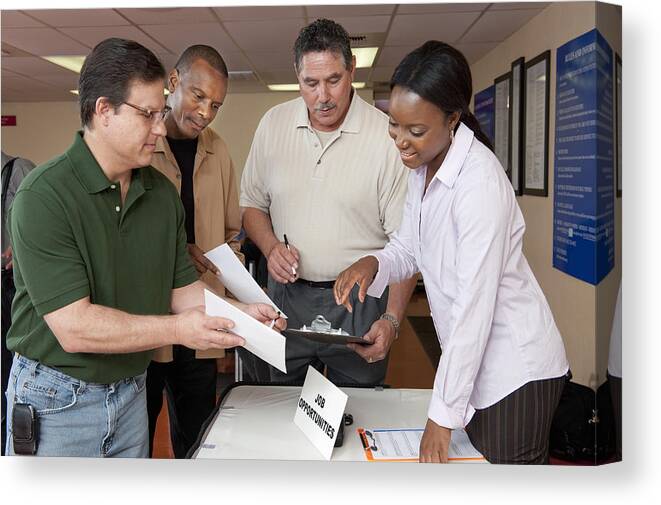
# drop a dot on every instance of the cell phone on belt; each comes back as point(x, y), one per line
point(25, 429)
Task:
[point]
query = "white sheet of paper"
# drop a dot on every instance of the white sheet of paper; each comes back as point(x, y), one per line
point(236, 278)
point(319, 411)
point(261, 340)
point(404, 444)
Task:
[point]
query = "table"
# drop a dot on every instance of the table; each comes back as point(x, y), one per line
point(256, 422)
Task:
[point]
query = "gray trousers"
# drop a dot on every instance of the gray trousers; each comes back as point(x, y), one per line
point(516, 430)
point(343, 366)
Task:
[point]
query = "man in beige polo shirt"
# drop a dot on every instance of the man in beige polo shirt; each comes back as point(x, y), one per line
point(198, 163)
point(323, 171)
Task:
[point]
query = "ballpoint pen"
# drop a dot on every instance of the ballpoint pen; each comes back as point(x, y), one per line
point(293, 270)
point(273, 322)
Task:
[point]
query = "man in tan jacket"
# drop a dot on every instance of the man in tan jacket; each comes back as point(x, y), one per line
point(198, 163)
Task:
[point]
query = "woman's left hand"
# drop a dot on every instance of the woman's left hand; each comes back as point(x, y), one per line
point(434, 444)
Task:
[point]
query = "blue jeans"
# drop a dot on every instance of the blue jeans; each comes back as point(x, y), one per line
point(78, 418)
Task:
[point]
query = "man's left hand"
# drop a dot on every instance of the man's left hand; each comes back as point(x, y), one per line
point(434, 444)
point(201, 262)
point(381, 335)
point(7, 255)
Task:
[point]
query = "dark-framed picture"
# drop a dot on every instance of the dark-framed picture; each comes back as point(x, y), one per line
point(536, 125)
point(517, 151)
point(618, 124)
point(501, 138)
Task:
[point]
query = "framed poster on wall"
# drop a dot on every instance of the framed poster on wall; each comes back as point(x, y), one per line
point(516, 124)
point(483, 103)
point(501, 139)
point(618, 124)
point(536, 125)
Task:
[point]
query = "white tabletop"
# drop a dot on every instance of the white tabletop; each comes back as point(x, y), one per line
point(256, 422)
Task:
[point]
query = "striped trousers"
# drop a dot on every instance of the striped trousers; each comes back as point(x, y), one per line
point(516, 429)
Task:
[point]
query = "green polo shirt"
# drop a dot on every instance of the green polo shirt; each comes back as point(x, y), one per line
point(72, 237)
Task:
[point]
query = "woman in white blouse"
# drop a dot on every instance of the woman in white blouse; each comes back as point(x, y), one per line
point(503, 363)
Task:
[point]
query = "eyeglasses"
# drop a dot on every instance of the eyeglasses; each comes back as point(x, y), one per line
point(152, 115)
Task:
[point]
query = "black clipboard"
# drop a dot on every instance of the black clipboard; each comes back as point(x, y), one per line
point(326, 338)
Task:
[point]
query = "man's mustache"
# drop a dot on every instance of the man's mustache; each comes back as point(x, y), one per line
point(325, 106)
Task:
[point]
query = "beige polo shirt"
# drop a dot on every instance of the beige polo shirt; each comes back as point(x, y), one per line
point(336, 202)
point(217, 215)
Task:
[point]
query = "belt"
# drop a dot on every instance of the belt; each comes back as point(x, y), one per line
point(316, 284)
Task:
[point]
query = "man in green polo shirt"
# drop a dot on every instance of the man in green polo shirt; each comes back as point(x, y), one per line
point(100, 261)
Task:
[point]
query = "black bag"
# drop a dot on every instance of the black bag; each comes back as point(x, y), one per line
point(582, 428)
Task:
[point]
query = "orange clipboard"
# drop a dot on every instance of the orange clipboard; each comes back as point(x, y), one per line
point(369, 446)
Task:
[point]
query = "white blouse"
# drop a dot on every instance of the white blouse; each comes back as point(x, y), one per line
point(465, 234)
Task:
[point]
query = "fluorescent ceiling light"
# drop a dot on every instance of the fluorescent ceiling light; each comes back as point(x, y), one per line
point(73, 63)
point(283, 87)
point(294, 87)
point(166, 91)
point(364, 56)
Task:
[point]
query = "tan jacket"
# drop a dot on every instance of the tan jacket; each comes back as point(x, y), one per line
point(217, 215)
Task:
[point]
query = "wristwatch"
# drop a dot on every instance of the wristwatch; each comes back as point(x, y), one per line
point(393, 320)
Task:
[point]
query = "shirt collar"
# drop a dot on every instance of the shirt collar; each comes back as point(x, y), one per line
point(351, 123)
point(204, 143)
point(456, 155)
point(89, 171)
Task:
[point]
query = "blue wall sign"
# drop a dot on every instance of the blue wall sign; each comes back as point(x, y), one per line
point(485, 111)
point(583, 204)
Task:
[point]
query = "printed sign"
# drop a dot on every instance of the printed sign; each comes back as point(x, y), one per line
point(8, 120)
point(485, 111)
point(583, 214)
point(319, 411)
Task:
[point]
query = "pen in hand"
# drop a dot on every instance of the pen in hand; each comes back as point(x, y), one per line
point(293, 270)
point(273, 322)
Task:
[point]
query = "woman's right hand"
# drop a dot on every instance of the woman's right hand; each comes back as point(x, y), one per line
point(362, 272)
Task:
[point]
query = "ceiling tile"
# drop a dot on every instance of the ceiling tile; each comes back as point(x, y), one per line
point(279, 76)
point(391, 56)
point(43, 41)
point(20, 82)
point(246, 87)
point(259, 13)
point(250, 35)
point(31, 65)
point(280, 60)
point(336, 11)
point(92, 35)
point(79, 17)
point(436, 7)
point(16, 19)
point(382, 74)
point(235, 61)
point(496, 26)
point(178, 37)
point(474, 51)
point(169, 15)
point(415, 29)
point(363, 24)
point(60, 80)
point(519, 5)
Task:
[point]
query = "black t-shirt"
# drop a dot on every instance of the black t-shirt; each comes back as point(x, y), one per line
point(184, 152)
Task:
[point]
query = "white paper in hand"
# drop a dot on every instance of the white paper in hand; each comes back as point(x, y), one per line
point(237, 279)
point(261, 340)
